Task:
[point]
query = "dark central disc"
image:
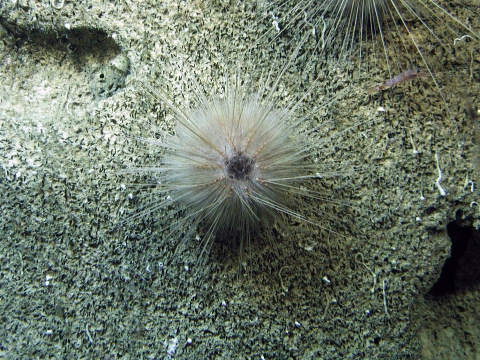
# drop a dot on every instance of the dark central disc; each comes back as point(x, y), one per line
point(239, 167)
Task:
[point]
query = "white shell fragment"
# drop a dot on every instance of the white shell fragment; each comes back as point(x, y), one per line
point(121, 63)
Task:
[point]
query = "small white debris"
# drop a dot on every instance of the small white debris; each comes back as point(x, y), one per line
point(309, 247)
point(314, 31)
point(381, 109)
point(326, 280)
point(172, 346)
point(130, 196)
point(39, 127)
point(224, 303)
point(414, 149)
point(67, 26)
point(12, 162)
point(49, 332)
point(275, 22)
point(123, 187)
point(186, 268)
point(47, 280)
point(31, 162)
point(418, 219)
point(472, 186)
point(461, 39)
point(189, 341)
point(297, 324)
point(442, 190)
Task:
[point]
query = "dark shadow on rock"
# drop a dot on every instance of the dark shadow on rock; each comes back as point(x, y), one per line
point(88, 50)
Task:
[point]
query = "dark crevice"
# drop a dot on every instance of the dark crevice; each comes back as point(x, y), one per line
point(462, 269)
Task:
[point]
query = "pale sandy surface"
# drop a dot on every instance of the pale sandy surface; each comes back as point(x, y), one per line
point(74, 284)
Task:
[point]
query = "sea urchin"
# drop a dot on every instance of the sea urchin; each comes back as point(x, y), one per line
point(232, 163)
